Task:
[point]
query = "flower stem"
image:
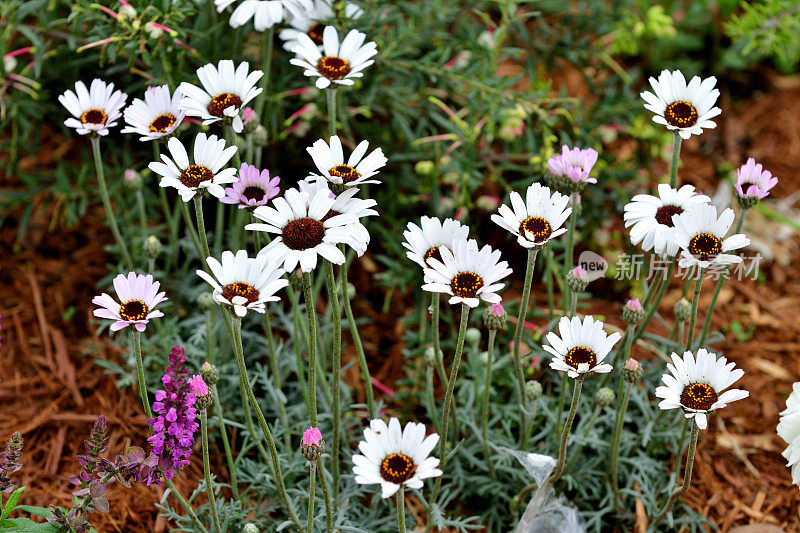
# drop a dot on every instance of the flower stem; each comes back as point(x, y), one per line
point(653, 307)
point(331, 97)
point(187, 218)
point(244, 383)
point(698, 283)
point(201, 227)
point(570, 245)
point(676, 156)
point(312, 481)
point(141, 384)
point(333, 297)
point(687, 477)
point(723, 276)
point(111, 219)
point(448, 397)
point(437, 348)
point(562, 451)
point(212, 499)
point(276, 377)
point(351, 322)
point(487, 387)
point(311, 318)
point(142, 212)
point(623, 396)
point(401, 510)
point(323, 481)
point(186, 506)
point(266, 65)
point(523, 312)
point(225, 443)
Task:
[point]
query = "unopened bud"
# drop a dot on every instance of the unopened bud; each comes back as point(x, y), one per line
point(206, 301)
point(199, 388)
point(577, 279)
point(152, 247)
point(312, 444)
point(430, 356)
point(133, 180)
point(682, 310)
point(632, 371)
point(746, 202)
point(533, 390)
point(424, 168)
point(260, 135)
point(633, 312)
point(494, 318)
point(210, 373)
point(604, 397)
point(473, 336)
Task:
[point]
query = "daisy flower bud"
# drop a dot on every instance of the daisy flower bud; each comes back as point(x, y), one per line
point(632, 371)
point(210, 373)
point(494, 318)
point(473, 336)
point(633, 312)
point(132, 179)
point(430, 356)
point(577, 279)
point(206, 301)
point(533, 390)
point(424, 168)
point(682, 310)
point(259, 135)
point(312, 444)
point(152, 247)
point(604, 397)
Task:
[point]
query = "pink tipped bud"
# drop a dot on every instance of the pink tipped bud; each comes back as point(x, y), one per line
point(487, 202)
point(248, 115)
point(634, 305)
point(631, 364)
point(312, 437)
point(633, 312)
point(579, 273)
point(631, 372)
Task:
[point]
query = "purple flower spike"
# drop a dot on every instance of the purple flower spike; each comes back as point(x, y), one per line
point(253, 189)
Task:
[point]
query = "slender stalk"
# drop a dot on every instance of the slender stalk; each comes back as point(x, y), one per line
point(623, 396)
point(312, 481)
point(298, 332)
point(331, 97)
point(219, 225)
point(201, 227)
point(110, 218)
point(225, 443)
point(521, 316)
point(212, 499)
point(676, 156)
point(333, 297)
point(323, 481)
point(570, 245)
point(244, 383)
point(687, 477)
point(430, 398)
point(311, 318)
point(723, 276)
point(141, 385)
point(573, 303)
point(401, 510)
point(351, 322)
point(437, 347)
point(653, 307)
point(548, 276)
point(142, 212)
point(448, 397)
point(266, 65)
point(562, 451)
point(276, 377)
point(186, 506)
point(192, 231)
point(698, 283)
point(487, 387)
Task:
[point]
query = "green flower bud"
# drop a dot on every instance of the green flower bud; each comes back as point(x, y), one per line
point(424, 168)
point(473, 336)
point(682, 310)
point(206, 301)
point(152, 247)
point(577, 279)
point(533, 389)
point(430, 356)
point(133, 180)
point(494, 318)
point(260, 136)
point(210, 373)
point(632, 371)
point(633, 312)
point(604, 397)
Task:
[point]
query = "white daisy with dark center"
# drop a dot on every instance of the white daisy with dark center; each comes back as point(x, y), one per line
point(701, 237)
point(203, 172)
point(304, 232)
point(312, 22)
point(157, 116)
point(393, 457)
point(138, 297)
point(346, 203)
point(789, 431)
point(696, 385)
point(424, 241)
point(580, 347)
point(337, 63)
point(225, 92)
point(467, 274)
point(650, 217)
point(93, 110)
point(685, 109)
point(329, 160)
point(264, 13)
point(243, 283)
point(537, 219)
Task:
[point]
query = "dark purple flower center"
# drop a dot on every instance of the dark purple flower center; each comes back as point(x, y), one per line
point(705, 246)
point(162, 123)
point(222, 101)
point(580, 355)
point(194, 175)
point(133, 310)
point(665, 212)
point(94, 116)
point(397, 468)
point(252, 192)
point(538, 226)
point(315, 32)
point(240, 288)
point(346, 172)
point(434, 252)
point(681, 114)
point(699, 396)
point(303, 233)
point(466, 284)
point(333, 67)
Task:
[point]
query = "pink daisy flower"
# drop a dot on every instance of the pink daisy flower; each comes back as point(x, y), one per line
point(253, 189)
point(138, 296)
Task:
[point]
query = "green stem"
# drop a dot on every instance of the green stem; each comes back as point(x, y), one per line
point(244, 383)
point(212, 499)
point(437, 347)
point(723, 276)
point(192, 231)
point(448, 397)
point(521, 316)
point(676, 156)
point(141, 384)
point(312, 481)
point(623, 396)
point(653, 307)
point(333, 297)
point(186, 506)
point(401, 511)
point(298, 335)
point(570, 245)
point(487, 387)
point(110, 218)
point(698, 283)
point(351, 322)
point(276, 377)
point(331, 97)
point(142, 212)
point(687, 478)
point(323, 481)
point(226, 443)
point(311, 318)
point(219, 228)
point(201, 227)
point(562, 451)
point(261, 101)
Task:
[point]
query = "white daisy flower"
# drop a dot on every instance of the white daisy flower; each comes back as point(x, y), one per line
point(424, 241)
point(650, 217)
point(335, 63)
point(304, 231)
point(393, 457)
point(203, 173)
point(685, 109)
point(311, 22)
point(242, 283)
point(345, 203)
point(537, 219)
point(225, 92)
point(695, 384)
point(701, 237)
point(358, 170)
point(94, 110)
point(789, 431)
point(138, 297)
point(157, 116)
point(264, 13)
point(581, 346)
point(467, 274)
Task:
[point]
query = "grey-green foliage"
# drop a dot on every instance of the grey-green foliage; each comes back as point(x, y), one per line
point(768, 29)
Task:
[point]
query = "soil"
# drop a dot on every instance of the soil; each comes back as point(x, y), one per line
point(52, 391)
